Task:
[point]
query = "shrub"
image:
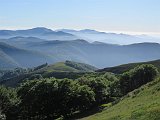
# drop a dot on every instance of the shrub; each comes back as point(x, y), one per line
point(137, 77)
point(8, 102)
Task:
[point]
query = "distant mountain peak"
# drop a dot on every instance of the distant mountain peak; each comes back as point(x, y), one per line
point(97, 42)
point(41, 29)
point(80, 41)
point(89, 31)
point(59, 33)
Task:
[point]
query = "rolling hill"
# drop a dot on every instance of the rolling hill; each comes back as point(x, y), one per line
point(67, 69)
point(67, 66)
point(98, 54)
point(126, 67)
point(141, 104)
point(7, 62)
point(12, 57)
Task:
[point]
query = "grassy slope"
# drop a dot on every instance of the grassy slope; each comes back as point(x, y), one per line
point(59, 70)
point(64, 67)
point(123, 68)
point(60, 66)
point(141, 104)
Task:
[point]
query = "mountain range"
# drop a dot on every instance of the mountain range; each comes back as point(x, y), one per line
point(111, 38)
point(81, 63)
point(98, 54)
point(33, 47)
point(70, 34)
point(12, 57)
point(40, 32)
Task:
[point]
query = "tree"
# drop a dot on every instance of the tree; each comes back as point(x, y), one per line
point(38, 99)
point(100, 87)
point(52, 98)
point(2, 116)
point(8, 102)
point(85, 98)
point(35, 76)
point(137, 77)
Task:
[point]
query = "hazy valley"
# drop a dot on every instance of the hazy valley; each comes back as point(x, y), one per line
point(26, 48)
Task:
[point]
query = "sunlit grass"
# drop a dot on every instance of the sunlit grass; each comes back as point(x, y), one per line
point(141, 104)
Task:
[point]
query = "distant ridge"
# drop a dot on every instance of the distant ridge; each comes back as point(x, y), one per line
point(40, 32)
point(98, 53)
point(71, 34)
point(12, 57)
point(126, 67)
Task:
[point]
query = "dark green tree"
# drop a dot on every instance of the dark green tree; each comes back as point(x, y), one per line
point(8, 102)
point(52, 98)
point(100, 87)
point(137, 77)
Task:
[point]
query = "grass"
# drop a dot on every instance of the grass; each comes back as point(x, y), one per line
point(61, 67)
point(68, 66)
point(141, 104)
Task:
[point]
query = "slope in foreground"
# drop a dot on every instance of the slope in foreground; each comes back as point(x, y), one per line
point(141, 104)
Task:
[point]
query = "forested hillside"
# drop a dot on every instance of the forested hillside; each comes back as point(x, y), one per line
point(52, 98)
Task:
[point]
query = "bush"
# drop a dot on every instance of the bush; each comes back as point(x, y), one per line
point(35, 76)
point(137, 77)
point(8, 102)
point(2, 116)
point(100, 87)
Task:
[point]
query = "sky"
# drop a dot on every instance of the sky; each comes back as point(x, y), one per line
point(127, 16)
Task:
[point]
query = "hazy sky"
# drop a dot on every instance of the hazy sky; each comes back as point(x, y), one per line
point(142, 16)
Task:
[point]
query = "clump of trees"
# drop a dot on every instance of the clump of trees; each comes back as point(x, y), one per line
point(137, 77)
point(7, 74)
point(99, 86)
point(51, 98)
point(40, 66)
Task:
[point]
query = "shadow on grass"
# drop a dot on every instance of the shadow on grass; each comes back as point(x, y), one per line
point(86, 113)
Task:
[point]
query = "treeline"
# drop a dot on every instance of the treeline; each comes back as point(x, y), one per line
point(51, 98)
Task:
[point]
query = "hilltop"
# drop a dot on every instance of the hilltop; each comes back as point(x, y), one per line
point(67, 69)
point(67, 66)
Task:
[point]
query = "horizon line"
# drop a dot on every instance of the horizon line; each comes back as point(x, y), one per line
point(78, 29)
